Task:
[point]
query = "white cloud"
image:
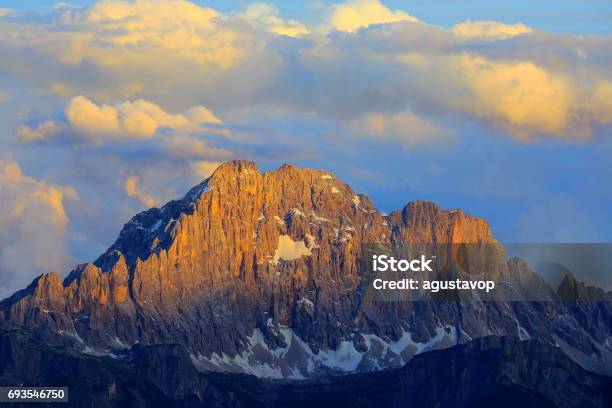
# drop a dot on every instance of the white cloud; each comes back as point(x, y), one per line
point(33, 227)
point(118, 49)
point(489, 30)
point(352, 15)
point(180, 26)
point(267, 16)
point(90, 122)
point(523, 98)
point(519, 96)
point(178, 54)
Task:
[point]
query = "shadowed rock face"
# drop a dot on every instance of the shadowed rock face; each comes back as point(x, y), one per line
point(502, 372)
point(155, 376)
point(259, 273)
point(496, 371)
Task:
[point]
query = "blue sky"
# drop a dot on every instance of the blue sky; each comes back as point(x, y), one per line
point(503, 109)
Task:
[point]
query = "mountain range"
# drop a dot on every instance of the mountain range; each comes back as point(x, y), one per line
point(255, 273)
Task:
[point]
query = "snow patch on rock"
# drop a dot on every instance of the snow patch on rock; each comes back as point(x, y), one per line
point(289, 250)
point(357, 204)
point(296, 360)
point(522, 332)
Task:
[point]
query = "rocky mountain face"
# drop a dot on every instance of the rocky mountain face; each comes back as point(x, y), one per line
point(260, 273)
point(152, 377)
point(493, 371)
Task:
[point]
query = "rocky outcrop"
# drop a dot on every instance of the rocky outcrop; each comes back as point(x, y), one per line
point(26, 360)
point(260, 273)
point(503, 372)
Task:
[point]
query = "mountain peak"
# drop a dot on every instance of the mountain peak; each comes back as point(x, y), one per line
point(234, 168)
point(245, 260)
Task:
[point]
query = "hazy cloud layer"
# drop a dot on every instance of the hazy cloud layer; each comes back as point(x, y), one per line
point(403, 127)
point(489, 30)
point(34, 227)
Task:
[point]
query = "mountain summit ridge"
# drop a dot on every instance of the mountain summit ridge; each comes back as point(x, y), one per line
point(259, 272)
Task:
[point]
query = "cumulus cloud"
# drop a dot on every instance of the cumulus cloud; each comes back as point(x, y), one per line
point(520, 96)
point(352, 15)
point(127, 120)
point(267, 16)
point(33, 227)
point(489, 30)
point(118, 49)
point(523, 98)
point(183, 27)
point(178, 54)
